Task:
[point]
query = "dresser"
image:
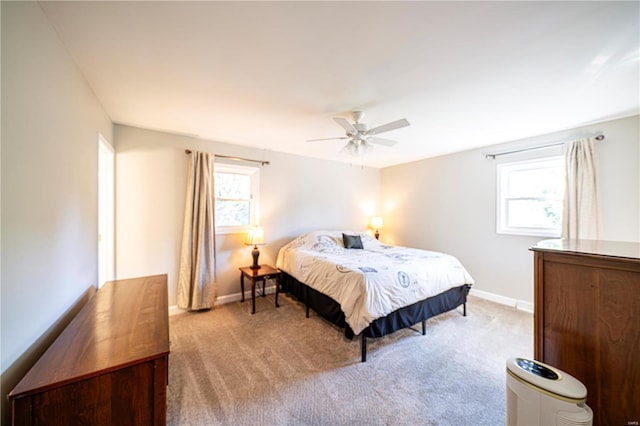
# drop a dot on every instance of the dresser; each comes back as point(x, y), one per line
point(587, 321)
point(109, 365)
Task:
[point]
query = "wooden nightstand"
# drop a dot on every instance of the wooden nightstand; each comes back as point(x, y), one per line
point(263, 274)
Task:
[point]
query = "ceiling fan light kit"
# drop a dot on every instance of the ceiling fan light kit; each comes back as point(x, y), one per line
point(360, 138)
point(357, 149)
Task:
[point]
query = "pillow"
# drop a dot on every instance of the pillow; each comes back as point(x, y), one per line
point(352, 241)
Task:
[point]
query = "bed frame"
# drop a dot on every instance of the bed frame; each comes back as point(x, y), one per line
point(402, 318)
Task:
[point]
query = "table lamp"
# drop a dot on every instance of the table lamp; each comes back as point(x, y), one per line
point(376, 223)
point(255, 236)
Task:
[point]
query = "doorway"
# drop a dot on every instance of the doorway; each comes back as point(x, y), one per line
point(106, 207)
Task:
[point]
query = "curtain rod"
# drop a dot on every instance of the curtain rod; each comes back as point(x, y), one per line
point(498, 154)
point(262, 163)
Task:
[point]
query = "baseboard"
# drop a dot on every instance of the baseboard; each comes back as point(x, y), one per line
point(229, 298)
point(173, 309)
point(524, 306)
point(503, 300)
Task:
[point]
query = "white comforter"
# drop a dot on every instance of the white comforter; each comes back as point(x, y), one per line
point(370, 283)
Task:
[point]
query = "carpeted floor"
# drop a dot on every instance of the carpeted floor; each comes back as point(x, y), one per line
point(276, 367)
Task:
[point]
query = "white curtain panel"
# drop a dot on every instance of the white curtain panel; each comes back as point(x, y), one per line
point(580, 217)
point(196, 280)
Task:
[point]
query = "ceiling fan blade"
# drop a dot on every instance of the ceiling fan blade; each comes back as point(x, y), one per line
point(345, 124)
point(388, 127)
point(327, 139)
point(381, 141)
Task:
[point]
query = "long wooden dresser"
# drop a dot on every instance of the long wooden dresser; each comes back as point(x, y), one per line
point(109, 366)
point(587, 321)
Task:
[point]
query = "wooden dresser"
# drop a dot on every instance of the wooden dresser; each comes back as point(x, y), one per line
point(587, 321)
point(108, 367)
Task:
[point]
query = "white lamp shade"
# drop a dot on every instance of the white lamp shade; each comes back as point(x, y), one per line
point(376, 222)
point(255, 236)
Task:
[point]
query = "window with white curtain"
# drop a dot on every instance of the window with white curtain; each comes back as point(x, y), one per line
point(237, 196)
point(530, 196)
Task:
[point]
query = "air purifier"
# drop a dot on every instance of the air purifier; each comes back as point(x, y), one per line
point(538, 394)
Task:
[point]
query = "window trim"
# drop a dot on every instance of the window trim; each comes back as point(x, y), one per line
point(254, 203)
point(502, 216)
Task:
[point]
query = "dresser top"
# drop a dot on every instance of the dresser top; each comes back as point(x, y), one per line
point(617, 249)
point(124, 323)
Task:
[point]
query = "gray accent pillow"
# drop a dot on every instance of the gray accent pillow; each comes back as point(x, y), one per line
point(352, 241)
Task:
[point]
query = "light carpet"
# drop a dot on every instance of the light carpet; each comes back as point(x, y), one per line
point(276, 367)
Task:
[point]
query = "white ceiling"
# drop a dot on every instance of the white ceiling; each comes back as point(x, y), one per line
point(273, 74)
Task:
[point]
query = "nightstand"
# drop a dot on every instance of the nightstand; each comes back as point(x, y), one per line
point(263, 274)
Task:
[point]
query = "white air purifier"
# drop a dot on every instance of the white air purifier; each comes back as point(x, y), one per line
point(538, 394)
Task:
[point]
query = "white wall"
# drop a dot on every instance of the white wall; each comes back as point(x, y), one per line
point(619, 176)
point(50, 123)
point(298, 194)
point(448, 204)
point(445, 203)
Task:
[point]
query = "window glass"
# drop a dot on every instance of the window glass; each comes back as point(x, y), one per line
point(530, 197)
point(233, 213)
point(236, 192)
point(232, 185)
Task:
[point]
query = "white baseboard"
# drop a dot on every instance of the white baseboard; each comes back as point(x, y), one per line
point(229, 298)
point(503, 300)
point(524, 306)
point(173, 309)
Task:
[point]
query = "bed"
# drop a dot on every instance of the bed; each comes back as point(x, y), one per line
point(370, 288)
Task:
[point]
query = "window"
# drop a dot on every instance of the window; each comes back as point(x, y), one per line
point(236, 193)
point(530, 197)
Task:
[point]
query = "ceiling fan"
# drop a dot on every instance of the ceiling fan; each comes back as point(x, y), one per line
point(360, 137)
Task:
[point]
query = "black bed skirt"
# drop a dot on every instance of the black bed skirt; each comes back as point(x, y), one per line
point(402, 318)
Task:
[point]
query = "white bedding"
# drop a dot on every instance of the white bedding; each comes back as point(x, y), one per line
point(369, 283)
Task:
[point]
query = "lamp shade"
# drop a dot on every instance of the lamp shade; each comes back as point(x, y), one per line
point(255, 236)
point(376, 222)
